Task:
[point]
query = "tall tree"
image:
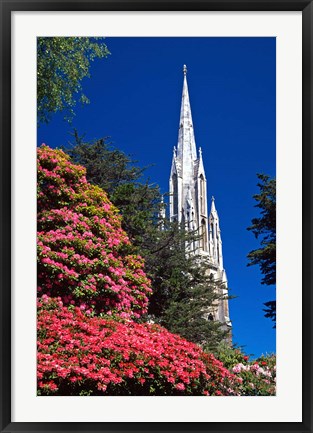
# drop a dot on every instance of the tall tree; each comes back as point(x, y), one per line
point(62, 63)
point(106, 166)
point(264, 228)
point(117, 174)
point(182, 291)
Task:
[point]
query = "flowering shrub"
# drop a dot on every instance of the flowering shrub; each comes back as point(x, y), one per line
point(90, 290)
point(256, 377)
point(83, 254)
point(81, 355)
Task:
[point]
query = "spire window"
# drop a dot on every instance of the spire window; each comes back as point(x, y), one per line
point(175, 194)
point(203, 240)
point(202, 195)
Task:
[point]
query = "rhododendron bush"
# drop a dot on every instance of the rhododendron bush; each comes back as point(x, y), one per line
point(256, 377)
point(91, 290)
point(81, 355)
point(82, 250)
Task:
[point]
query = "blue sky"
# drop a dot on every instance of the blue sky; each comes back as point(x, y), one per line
point(135, 99)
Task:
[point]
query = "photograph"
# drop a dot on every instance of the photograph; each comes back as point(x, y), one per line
point(156, 216)
point(156, 210)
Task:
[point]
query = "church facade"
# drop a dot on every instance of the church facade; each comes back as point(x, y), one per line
point(189, 205)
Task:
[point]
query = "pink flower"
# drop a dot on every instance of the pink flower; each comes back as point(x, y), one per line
point(237, 368)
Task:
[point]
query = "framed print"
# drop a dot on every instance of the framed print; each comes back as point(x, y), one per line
point(143, 146)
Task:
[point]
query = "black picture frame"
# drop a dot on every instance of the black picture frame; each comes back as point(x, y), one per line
point(7, 7)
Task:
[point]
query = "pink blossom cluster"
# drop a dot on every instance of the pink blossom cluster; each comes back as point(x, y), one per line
point(83, 254)
point(257, 379)
point(106, 357)
point(254, 368)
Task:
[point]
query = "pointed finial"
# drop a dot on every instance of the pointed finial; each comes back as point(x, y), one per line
point(185, 70)
point(213, 209)
point(200, 152)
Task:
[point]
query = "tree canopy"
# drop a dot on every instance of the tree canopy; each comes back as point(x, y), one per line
point(62, 63)
point(264, 228)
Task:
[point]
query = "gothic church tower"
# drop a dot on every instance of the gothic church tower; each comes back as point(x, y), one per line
point(189, 206)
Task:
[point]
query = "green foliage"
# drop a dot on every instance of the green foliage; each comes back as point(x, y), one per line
point(139, 205)
point(62, 63)
point(182, 291)
point(264, 227)
point(230, 356)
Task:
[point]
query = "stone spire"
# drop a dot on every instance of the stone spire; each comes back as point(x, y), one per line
point(215, 239)
point(187, 181)
point(183, 204)
point(189, 207)
point(186, 146)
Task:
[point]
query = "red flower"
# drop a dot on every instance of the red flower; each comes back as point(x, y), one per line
point(103, 356)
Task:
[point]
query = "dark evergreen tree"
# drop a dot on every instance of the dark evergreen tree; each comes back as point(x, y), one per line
point(183, 292)
point(116, 173)
point(264, 228)
point(106, 166)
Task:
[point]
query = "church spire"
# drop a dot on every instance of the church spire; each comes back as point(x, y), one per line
point(213, 208)
point(186, 146)
point(188, 205)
